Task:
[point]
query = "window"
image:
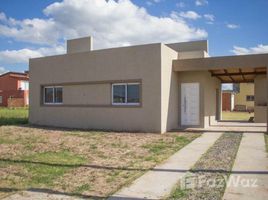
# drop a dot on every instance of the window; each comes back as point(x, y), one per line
point(126, 94)
point(24, 85)
point(250, 97)
point(53, 95)
point(1, 99)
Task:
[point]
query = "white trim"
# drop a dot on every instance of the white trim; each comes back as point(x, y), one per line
point(53, 98)
point(125, 103)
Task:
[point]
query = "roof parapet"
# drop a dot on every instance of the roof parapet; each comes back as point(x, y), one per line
point(80, 45)
point(201, 45)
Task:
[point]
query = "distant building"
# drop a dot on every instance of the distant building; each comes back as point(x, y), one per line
point(14, 89)
point(245, 97)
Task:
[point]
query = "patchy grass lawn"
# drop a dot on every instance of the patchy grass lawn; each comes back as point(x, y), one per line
point(81, 163)
point(242, 116)
point(209, 173)
point(13, 116)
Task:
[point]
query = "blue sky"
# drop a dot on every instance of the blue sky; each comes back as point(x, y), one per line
point(34, 28)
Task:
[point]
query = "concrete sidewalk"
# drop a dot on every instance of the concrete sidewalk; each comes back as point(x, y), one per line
point(159, 182)
point(250, 170)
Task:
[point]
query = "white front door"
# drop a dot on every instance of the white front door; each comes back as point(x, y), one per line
point(190, 104)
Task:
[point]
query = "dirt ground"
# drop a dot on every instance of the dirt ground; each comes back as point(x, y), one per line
point(79, 163)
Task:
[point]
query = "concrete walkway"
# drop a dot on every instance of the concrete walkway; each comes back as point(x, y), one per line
point(250, 170)
point(159, 182)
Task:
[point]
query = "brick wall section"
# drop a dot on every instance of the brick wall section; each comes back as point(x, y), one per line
point(6, 95)
point(15, 102)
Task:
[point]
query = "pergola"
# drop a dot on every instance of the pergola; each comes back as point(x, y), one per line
point(238, 75)
point(228, 69)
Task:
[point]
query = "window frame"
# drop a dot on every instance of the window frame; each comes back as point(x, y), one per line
point(44, 95)
point(250, 98)
point(126, 94)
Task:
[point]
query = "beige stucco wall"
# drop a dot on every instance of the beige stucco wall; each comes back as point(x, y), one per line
point(139, 62)
point(201, 45)
point(208, 86)
point(93, 94)
point(192, 54)
point(260, 86)
point(169, 90)
point(80, 45)
point(245, 89)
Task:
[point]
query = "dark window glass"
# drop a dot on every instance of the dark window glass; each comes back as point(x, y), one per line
point(119, 94)
point(58, 95)
point(133, 94)
point(250, 98)
point(48, 95)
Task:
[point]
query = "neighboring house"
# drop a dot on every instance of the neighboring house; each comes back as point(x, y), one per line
point(14, 89)
point(245, 97)
point(150, 88)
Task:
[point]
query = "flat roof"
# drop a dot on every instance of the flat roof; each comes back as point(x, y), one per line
point(228, 69)
point(16, 74)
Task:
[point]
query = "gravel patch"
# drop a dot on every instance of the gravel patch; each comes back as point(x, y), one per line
point(207, 179)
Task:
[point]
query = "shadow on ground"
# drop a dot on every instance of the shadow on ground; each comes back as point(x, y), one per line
point(131, 169)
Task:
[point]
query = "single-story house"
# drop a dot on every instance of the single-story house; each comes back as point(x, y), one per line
point(150, 88)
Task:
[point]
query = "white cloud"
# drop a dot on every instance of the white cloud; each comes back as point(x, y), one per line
point(252, 50)
point(38, 31)
point(111, 23)
point(227, 86)
point(232, 26)
point(23, 55)
point(2, 70)
point(190, 15)
point(201, 2)
point(209, 17)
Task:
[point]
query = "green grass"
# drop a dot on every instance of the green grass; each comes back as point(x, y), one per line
point(161, 145)
point(41, 169)
point(178, 193)
point(82, 188)
point(242, 116)
point(160, 148)
point(13, 116)
point(4, 140)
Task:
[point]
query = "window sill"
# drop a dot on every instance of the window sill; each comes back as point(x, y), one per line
point(126, 104)
point(52, 104)
point(93, 105)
